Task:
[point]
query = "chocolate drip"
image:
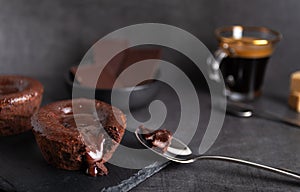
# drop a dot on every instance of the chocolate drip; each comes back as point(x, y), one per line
point(8, 89)
point(91, 134)
point(95, 166)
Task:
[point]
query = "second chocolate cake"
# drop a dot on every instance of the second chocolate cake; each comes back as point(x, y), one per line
point(79, 134)
point(20, 98)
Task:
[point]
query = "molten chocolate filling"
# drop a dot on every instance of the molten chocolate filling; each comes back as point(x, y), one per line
point(160, 139)
point(7, 90)
point(93, 136)
point(8, 86)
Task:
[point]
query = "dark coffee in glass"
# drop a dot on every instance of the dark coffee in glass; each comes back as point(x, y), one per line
point(244, 75)
point(243, 56)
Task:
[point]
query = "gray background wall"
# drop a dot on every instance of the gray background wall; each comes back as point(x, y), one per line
point(44, 38)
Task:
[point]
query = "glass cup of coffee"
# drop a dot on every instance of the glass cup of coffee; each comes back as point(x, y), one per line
point(242, 58)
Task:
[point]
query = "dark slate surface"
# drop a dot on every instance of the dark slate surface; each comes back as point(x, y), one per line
point(23, 167)
point(43, 38)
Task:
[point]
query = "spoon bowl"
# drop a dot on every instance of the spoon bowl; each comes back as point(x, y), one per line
point(176, 147)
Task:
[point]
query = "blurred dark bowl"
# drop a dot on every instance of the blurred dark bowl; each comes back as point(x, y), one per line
point(140, 96)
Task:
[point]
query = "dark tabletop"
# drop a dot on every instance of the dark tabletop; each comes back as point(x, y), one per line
point(254, 139)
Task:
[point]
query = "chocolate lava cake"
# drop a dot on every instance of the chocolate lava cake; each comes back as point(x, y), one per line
point(79, 134)
point(20, 98)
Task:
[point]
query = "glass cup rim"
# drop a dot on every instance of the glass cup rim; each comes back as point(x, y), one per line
point(277, 36)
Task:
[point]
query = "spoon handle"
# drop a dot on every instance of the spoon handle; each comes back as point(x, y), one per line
point(252, 164)
point(242, 110)
point(271, 116)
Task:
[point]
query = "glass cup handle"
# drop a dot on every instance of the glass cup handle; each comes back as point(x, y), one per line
point(214, 64)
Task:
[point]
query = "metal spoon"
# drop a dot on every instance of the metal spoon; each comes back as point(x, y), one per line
point(242, 110)
point(181, 153)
